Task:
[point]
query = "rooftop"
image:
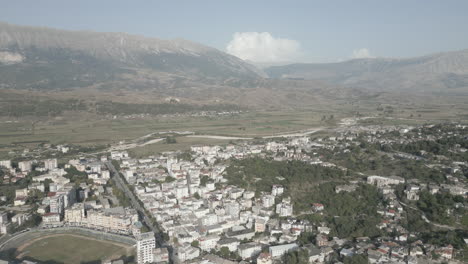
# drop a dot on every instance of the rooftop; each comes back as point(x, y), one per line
point(145, 236)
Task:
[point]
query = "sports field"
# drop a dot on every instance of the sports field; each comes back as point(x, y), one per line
point(67, 248)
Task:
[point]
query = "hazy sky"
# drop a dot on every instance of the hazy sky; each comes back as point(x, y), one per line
point(268, 31)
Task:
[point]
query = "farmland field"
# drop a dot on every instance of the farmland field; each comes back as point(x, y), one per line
point(86, 129)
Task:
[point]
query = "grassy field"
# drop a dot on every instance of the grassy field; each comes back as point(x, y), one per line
point(72, 249)
point(88, 129)
point(92, 131)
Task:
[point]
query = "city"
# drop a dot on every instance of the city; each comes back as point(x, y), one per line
point(234, 132)
point(208, 205)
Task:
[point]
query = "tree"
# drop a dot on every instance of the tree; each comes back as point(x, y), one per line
point(34, 196)
point(185, 156)
point(356, 259)
point(169, 179)
point(306, 238)
point(75, 175)
point(464, 221)
point(47, 183)
point(195, 243)
point(171, 140)
point(204, 180)
point(224, 252)
point(296, 257)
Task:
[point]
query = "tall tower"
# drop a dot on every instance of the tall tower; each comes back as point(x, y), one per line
point(146, 243)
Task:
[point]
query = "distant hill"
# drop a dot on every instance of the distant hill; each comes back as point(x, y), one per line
point(445, 72)
point(43, 58)
point(128, 69)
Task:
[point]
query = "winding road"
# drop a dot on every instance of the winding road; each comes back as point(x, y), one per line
point(424, 217)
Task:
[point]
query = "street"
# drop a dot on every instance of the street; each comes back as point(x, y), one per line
point(136, 205)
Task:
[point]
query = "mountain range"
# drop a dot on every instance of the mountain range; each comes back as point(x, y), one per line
point(442, 72)
point(137, 69)
point(32, 57)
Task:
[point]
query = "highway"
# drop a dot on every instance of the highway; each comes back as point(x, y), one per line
point(136, 205)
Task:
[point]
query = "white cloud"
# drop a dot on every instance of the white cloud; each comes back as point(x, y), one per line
point(361, 54)
point(263, 47)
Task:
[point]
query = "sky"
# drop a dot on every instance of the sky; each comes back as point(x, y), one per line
point(268, 31)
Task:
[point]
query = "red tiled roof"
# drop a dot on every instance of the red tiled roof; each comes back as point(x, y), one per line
point(49, 214)
point(264, 256)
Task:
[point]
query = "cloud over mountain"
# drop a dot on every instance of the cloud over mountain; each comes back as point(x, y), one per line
point(263, 47)
point(361, 54)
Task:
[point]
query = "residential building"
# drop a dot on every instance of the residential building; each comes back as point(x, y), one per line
point(25, 166)
point(284, 209)
point(110, 220)
point(161, 255)
point(186, 252)
point(260, 225)
point(268, 200)
point(380, 181)
point(277, 190)
point(5, 164)
point(51, 219)
point(231, 243)
point(278, 251)
point(56, 203)
point(208, 243)
point(50, 164)
point(264, 258)
point(76, 214)
point(146, 243)
point(321, 240)
point(19, 219)
point(3, 217)
point(445, 252)
point(249, 250)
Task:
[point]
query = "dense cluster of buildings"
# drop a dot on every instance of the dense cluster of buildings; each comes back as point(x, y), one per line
point(202, 215)
point(183, 196)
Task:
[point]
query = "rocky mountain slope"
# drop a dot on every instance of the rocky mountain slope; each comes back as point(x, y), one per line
point(44, 58)
point(125, 68)
point(443, 72)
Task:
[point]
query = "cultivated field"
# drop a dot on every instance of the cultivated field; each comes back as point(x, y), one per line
point(97, 131)
point(87, 129)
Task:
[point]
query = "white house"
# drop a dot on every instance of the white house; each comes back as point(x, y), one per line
point(278, 251)
point(231, 243)
point(187, 252)
point(249, 250)
point(208, 243)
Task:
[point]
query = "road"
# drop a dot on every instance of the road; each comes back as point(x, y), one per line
point(423, 217)
point(136, 205)
point(217, 137)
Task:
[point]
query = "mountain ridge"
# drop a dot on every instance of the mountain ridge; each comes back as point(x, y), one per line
point(130, 68)
point(34, 46)
point(439, 71)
